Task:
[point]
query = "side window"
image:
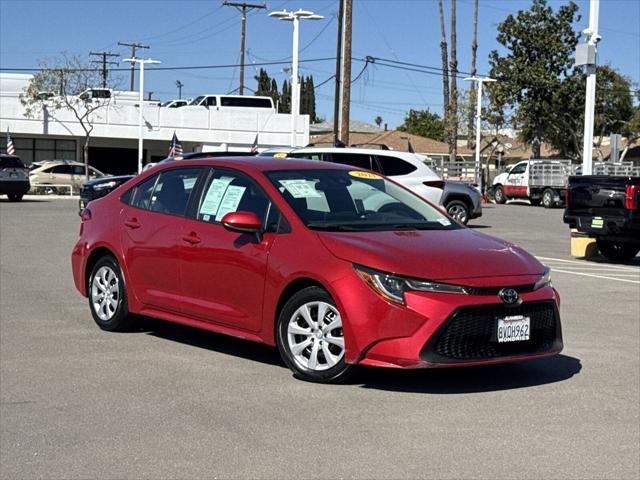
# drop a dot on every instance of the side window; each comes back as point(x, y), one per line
point(79, 169)
point(211, 101)
point(354, 159)
point(520, 168)
point(308, 156)
point(93, 172)
point(229, 191)
point(172, 190)
point(395, 166)
point(62, 170)
point(143, 193)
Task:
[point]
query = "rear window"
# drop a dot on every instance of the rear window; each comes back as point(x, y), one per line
point(11, 162)
point(395, 166)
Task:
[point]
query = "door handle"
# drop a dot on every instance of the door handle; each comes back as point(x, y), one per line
point(192, 238)
point(132, 223)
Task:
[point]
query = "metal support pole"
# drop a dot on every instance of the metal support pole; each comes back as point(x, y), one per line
point(590, 100)
point(140, 107)
point(295, 99)
point(478, 133)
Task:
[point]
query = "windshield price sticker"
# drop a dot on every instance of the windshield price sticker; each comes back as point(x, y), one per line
point(366, 175)
point(301, 188)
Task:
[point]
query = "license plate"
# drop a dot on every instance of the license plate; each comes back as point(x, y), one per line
point(597, 222)
point(513, 329)
point(13, 174)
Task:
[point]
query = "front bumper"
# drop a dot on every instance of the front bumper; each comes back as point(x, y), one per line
point(442, 330)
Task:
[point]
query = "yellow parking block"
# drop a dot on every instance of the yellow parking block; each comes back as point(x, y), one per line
point(582, 245)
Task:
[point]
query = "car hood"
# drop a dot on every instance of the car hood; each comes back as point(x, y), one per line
point(434, 254)
point(500, 178)
point(120, 179)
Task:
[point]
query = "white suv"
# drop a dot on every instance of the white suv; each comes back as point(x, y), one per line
point(406, 168)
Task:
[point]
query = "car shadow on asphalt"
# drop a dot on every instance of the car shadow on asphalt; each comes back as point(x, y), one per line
point(486, 378)
point(475, 226)
point(24, 200)
point(215, 342)
point(635, 262)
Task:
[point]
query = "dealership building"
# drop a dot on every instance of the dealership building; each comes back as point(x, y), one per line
point(57, 134)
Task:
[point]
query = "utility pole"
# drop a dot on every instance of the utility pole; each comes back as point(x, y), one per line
point(134, 46)
point(243, 8)
point(104, 62)
point(586, 55)
point(336, 95)
point(346, 73)
point(179, 84)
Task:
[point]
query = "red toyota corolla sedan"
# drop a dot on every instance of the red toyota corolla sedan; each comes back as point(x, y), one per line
point(338, 267)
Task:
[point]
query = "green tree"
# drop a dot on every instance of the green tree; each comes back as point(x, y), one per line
point(612, 113)
point(539, 46)
point(424, 123)
point(64, 79)
point(285, 98)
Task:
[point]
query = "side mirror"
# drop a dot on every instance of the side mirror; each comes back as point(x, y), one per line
point(244, 222)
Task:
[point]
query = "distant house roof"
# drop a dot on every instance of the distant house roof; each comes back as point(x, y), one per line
point(355, 126)
point(395, 140)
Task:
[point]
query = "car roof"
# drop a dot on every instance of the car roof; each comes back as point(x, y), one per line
point(262, 164)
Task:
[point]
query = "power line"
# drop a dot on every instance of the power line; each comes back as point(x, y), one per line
point(134, 46)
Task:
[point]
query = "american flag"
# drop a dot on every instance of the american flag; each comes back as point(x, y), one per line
point(254, 147)
point(10, 148)
point(175, 149)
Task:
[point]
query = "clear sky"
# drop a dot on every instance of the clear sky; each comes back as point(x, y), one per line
point(202, 32)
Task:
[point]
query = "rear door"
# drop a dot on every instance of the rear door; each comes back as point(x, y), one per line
point(151, 235)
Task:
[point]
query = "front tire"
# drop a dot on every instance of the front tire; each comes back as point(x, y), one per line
point(617, 251)
point(459, 211)
point(15, 197)
point(498, 195)
point(108, 296)
point(310, 337)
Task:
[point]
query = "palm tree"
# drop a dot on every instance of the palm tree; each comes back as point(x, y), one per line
point(378, 121)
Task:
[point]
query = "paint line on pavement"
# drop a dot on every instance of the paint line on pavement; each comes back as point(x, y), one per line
point(637, 282)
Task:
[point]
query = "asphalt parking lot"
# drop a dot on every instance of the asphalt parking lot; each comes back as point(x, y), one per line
point(172, 402)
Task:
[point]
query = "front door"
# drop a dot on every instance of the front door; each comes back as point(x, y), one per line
point(152, 227)
point(516, 185)
point(222, 272)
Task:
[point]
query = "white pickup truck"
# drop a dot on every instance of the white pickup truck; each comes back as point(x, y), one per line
point(539, 181)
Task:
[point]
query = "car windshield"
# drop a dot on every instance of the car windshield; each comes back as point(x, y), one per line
point(197, 100)
point(343, 200)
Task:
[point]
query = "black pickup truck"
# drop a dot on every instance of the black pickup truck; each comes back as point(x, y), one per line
point(606, 208)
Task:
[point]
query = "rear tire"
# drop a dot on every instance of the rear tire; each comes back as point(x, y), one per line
point(547, 198)
point(15, 197)
point(310, 337)
point(458, 210)
point(498, 195)
point(617, 251)
point(107, 295)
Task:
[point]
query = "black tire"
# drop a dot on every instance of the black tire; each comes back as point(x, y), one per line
point(535, 201)
point(547, 199)
point(498, 195)
point(338, 373)
point(15, 197)
point(459, 211)
point(120, 319)
point(617, 251)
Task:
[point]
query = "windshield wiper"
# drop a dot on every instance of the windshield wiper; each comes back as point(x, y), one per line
point(332, 226)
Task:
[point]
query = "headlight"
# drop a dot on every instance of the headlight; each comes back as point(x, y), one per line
point(393, 287)
point(544, 280)
point(106, 185)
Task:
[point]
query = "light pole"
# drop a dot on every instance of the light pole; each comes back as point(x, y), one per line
point(295, 17)
point(142, 62)
point(586, 55)
point(478, 120)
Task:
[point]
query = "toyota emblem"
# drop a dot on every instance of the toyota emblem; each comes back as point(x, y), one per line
point(509, 296)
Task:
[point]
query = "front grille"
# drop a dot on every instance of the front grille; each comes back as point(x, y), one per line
point(469, 334)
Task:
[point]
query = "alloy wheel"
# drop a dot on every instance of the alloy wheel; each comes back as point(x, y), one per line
point(458, 212)
point(105, 293)
point(315, 337)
